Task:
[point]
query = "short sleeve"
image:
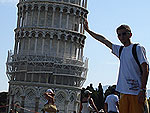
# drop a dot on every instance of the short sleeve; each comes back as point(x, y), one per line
point(141, 53)
point(106, 99)
point(116, 99)
point(115, 49)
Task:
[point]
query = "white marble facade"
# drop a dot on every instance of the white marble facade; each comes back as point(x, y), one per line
point(48, 53)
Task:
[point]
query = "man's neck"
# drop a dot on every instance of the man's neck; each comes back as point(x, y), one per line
point(127, 44)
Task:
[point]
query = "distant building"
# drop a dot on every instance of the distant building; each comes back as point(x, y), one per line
point(48, 53)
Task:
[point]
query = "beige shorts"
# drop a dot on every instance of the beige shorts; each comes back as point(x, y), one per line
point(129, 104)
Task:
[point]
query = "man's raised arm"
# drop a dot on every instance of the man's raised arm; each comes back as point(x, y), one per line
point(98, 37)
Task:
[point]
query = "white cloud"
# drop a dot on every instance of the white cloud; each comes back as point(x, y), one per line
point(8, 1)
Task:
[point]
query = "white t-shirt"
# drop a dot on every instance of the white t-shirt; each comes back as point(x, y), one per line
point(111, 102)
point(129, 72)
point(85, 108)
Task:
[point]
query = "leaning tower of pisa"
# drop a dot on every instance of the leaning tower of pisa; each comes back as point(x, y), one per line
point(48, 53)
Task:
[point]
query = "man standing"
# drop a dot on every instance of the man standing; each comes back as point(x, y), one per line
point(131, 81)
point(111, 104)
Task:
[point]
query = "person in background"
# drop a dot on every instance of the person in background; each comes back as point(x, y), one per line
point(87, 104)
point(49, 95)
point(111, 104)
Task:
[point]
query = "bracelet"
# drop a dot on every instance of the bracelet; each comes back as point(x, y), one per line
point(143, 89)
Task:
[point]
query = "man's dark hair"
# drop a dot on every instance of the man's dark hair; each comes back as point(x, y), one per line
point(113, 91)
point(123, 27)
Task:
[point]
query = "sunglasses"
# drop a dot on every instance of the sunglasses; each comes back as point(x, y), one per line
point(123, 34)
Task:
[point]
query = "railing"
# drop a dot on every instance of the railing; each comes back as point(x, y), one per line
point(39, 58)
point(81, 72)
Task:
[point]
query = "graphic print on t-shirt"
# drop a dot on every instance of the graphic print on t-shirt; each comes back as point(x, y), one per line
point(133, 84)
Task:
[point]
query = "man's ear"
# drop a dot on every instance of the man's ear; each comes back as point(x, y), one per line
point(130, 35)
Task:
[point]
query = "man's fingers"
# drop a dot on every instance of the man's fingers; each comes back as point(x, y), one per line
point(141, 98)
point(85, 24)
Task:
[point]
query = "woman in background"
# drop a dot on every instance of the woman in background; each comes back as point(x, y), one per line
point(87, 104)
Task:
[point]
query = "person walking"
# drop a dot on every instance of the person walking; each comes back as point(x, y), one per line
point(133, 76)
point(87, 104)
point(111, 104)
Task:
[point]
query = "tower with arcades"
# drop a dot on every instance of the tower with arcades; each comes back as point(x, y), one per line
point(48, 53)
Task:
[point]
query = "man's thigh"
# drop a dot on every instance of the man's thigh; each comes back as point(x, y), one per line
point(129, 104)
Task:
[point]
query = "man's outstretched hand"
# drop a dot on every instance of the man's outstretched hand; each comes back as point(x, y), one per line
point(85, 24)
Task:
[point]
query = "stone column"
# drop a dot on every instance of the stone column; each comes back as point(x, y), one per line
point(79, 52)
point(46, 10)
point(37, 104)
point(76, 103)
point(66, 106)
point(25, 79)
point(32, 10)
point(74, 21)
point(22, 46)
point(29, 43)
point(43, 41)
point(58, 43)
point(26, 19)
point(22, 103)
point(65, 48)
point(38, 19)
point(22, 20)
point(32, 77)
point(53, 17)
point(81, 27)
point(71, 51)
point(18, 20)
point(61, 11)
point(67, 23)
point(75, 55)
point(16, 46)
point(39, 78)
point(35, 45)
point(18, 49)
point(78, 23)
point(50, 45)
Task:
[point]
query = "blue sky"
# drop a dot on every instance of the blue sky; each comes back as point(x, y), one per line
point(104, 17)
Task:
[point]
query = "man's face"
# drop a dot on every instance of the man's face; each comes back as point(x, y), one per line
point(124, 36)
